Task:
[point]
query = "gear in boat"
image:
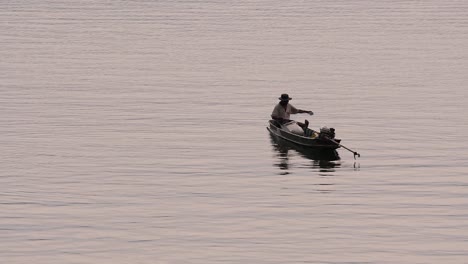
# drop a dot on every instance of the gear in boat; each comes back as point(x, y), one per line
point(304, 136)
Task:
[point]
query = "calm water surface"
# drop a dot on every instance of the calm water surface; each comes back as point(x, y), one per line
point(134, 131)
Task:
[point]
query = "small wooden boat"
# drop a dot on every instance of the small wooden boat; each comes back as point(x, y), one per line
point(307, 137)
point(282, 147)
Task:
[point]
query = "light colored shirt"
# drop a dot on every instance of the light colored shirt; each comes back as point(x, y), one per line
point(280, 112)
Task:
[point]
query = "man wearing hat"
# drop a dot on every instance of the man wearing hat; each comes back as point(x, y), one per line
point(283, 110)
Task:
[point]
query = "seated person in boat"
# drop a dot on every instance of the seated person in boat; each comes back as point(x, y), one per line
point(283, 110)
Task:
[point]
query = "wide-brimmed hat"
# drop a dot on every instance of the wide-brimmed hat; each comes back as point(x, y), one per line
point(285, 97)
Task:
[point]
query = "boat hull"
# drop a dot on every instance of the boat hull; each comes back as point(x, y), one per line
point(303, 141)
point(282, 146)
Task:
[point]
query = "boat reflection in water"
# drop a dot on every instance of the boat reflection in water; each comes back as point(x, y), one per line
point(323, 159)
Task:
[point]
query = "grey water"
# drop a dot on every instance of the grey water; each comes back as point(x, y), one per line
point(134, 131)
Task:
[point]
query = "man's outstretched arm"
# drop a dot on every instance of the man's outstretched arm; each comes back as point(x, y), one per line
point(300, 111)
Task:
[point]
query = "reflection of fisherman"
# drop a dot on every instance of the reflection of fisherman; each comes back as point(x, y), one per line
point(283, 110)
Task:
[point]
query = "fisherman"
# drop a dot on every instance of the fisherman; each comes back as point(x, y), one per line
point(283, 110)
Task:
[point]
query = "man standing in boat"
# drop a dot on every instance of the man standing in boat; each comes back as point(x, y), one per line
point(283, 110)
